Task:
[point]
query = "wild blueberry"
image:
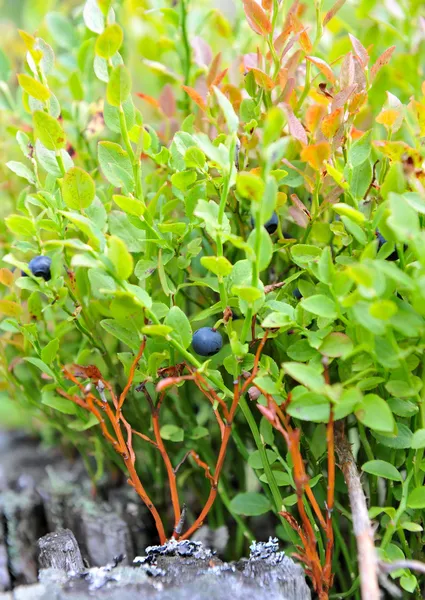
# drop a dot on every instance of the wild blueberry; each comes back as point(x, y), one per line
point(207, 341)
point(270, 225)
point(297, 294)
point(40, 267)
point(381, 242)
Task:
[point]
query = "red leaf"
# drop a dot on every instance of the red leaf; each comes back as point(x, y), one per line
point(196, 97)
point(257, 18)
point(382, 60)
point(332, 12)
point(341, 98)
point(167, 102)
point(296, 128)
point(202, 52)
point(360, 50)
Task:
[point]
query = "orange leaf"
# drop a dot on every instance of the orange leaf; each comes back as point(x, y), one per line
point(323, 67)
point(9, 308)
point(149, 99)
point(316, 154)
point(6, 277)
point(196, 97)
point(213, 70)
point(263, 79)
point(257, 18)
point(305, 42)
point(267, 4)
point(313, 116)
point(331, 123)
point(219, 78)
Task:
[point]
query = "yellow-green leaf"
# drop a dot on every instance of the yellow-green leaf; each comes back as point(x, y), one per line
point(78, 189)
point(119, 86)
point(48, 131)
point(120, 257)
point(33, 87)
point(109, 42)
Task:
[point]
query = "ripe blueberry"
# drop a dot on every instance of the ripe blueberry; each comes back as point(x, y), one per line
point(297, 294)
point(207, 341)
point(381, 242)
point(270, 225)
point(40, 267)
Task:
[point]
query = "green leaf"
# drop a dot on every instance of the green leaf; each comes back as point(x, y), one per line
point(336, 344)
point(266, 247)
point(78, 189)
point(20, 225)
point(360, 150)
point(130, 205)
point(199, 432)
point(100, 282)
point(416, 498)
point(109, 41)
point(93, 16)
point(281, 479)
point(41, 365)
point(157, 330)
point(404, 220)
point(399, 440)
point(172, 433)
point(228, 111)
point(250, 186)
point(120, 257)
point(278, 319)
point(182, 180)
point(375, 413)
point(48, 131)
point(383, 309)
point(402, 389)
point(119, 86)
point(62, 30)
point(381, 468)
point(116, 165)
point(208, 212)
point(350, 212)
point(320, 305)
point(306, 375)
point(250, 504)
point(310, 406)
point(34, 88)
point(67, 407)
point(303, 254)
point(194, 158)
point(21, 170)
point(255, 461)
point(219, 265)
point(47, 159)
point(49, 352)
point(124, 334)
point(418, 439)
point(83, 425)
point(87, 226)
point(177, 320)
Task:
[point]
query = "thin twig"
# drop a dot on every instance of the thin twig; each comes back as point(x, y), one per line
point(367, 558)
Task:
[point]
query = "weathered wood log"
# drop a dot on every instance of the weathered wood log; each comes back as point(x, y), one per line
point(5, 580)
point(59, 550)
point(24, 517)
point(101, 533)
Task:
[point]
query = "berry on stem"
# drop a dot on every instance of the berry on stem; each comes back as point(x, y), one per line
point(207, 341)
point(381, 242)
point(271, 225)
point(40, 267)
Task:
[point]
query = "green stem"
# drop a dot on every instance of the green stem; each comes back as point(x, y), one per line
point(187, 60)
point(392, 526)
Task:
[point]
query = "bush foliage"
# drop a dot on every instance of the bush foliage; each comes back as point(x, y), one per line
point(144, 147)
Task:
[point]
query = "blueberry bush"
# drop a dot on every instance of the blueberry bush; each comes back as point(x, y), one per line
point(213, 266)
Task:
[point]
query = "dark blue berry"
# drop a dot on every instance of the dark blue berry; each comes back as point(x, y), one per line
point(40, 267)
point(381, 242)
point(297, 294)
point(271, 225)
point(207, 341)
